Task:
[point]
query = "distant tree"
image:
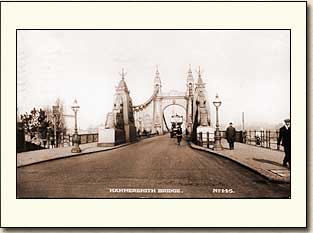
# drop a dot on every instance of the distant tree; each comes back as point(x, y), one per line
point(45, 122)
point(36, 122)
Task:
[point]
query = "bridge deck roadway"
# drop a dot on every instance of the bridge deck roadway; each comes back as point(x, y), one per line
point(155, 163)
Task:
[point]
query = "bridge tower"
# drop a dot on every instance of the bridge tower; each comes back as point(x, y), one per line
point(201, 109)
point(157, 82)
point(127, 109)
point(189, 96)
point(120, 123)
point(157, 104)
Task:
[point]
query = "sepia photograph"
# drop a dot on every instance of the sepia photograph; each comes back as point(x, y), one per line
point(157, 114)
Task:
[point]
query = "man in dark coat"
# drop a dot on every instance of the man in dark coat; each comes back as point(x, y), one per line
point(231, 135)
point(285, 138)
point(179, 135)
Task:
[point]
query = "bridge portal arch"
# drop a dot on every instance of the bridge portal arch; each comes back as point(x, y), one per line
point(149, 116)
point(126, 119)
point(168, 112)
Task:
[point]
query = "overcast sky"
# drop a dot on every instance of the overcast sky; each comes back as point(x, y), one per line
point(249, 69)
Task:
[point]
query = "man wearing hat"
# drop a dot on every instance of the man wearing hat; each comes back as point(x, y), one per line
point(231, 135)
point(285, 138)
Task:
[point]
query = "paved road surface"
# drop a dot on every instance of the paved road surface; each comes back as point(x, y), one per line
point(155, 163)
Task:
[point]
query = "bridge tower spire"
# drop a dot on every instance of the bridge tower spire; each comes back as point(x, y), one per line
point(200, 83)
point(122, 86)
point(157, 81)
point(189, 95)
point(157, 105)
point(190, 83)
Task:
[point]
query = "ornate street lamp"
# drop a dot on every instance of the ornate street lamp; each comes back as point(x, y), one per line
point(76, 148)
point(217, 136)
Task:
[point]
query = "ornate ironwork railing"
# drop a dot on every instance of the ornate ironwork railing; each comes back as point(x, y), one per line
point(261, 138)
point(67, 140)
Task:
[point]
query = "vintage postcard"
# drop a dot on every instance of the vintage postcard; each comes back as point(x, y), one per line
point(111, 111)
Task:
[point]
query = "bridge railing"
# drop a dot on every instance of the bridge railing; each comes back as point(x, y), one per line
point(261, 138)
point(63, 140)
point(67, 140)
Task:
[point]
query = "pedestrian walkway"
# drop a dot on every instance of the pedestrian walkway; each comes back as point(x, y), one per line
point(266, 162)
point(38, 156)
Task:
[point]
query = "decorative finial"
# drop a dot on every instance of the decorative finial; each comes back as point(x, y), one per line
point(123, 74)
point(199, 72)
point(190, 71)
point(157, 70)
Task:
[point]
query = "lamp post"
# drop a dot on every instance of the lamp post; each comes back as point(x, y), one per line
point(217, 136)
point(56, 116)
point(76, 148)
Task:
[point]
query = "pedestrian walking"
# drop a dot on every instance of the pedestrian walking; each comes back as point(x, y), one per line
point(231, 135)
point(179, 134)
point(244, 136)
point(285, 138)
